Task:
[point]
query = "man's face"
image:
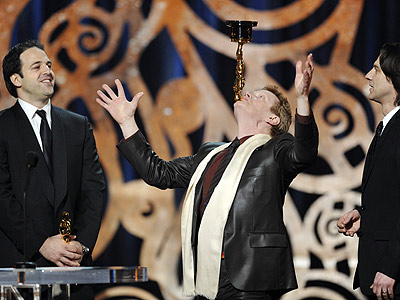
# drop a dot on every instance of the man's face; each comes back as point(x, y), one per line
point(256, 105)
point(381, 88)
point(37, 81)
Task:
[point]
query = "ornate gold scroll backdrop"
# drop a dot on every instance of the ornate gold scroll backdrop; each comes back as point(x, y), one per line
point(183, 105)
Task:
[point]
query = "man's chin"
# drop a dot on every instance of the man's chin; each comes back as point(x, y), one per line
point(370, 96)
point(49, 92)
point(237, 107)
point(238, 103)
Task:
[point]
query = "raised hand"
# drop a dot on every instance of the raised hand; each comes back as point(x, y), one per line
point(303, 78)
point(302, 84)
point(122, 110)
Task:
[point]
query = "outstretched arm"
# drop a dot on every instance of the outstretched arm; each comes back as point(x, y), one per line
point(303, 151)
point(122, 110)
point(302, 83)
point(154, 170)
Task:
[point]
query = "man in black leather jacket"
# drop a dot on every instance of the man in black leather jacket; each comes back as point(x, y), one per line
point(234, 241)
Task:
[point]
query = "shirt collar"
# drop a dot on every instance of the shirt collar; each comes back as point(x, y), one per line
point(30, 110)
point(243, 139)
point(389, 116)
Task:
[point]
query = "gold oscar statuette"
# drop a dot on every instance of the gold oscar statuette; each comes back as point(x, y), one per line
point(65, 227)
point(242, 33)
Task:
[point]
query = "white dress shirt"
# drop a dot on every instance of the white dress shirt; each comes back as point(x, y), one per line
point(34, 118)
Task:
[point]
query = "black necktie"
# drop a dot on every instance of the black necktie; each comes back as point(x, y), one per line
point(218, 173)
point(378, 133)
point(45, 134)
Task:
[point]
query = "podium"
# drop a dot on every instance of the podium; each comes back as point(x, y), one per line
point(12, 279)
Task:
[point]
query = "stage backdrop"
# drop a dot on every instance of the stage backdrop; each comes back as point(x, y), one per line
point(179, 54)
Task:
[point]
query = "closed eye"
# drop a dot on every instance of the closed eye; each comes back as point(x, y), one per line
point(260, 96)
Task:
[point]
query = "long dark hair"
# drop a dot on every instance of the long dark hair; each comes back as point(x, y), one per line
point(389, 59)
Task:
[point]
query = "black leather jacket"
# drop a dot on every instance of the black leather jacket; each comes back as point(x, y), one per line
point(256, 245)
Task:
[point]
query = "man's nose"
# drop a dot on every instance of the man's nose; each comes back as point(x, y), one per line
point(46, 69)
point(248, 94)
point(368, 75)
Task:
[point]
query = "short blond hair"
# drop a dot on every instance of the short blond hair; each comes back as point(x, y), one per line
point(281, 109)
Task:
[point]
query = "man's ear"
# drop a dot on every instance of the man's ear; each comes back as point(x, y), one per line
point(273, 120)
point(16, 80)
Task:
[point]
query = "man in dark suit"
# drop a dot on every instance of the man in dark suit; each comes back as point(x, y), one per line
point(377, 220)
point(234, 241)
point(67, 178)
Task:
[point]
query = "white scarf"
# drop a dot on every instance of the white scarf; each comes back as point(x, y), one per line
point(213, 222)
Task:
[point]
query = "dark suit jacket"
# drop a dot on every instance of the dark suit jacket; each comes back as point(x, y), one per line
point(256, 244)
point(77, 186)
point(379, 242)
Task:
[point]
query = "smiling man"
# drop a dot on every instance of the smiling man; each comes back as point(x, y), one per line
point(234, 241)
point(377, 220)
point(68, 176)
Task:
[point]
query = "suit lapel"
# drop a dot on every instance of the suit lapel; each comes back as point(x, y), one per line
point(30, 143)
point(371, 159)
point(59, 156)
point(367, 166)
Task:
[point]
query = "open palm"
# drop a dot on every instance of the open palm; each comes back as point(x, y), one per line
point(117, 105)
point(303, 78)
